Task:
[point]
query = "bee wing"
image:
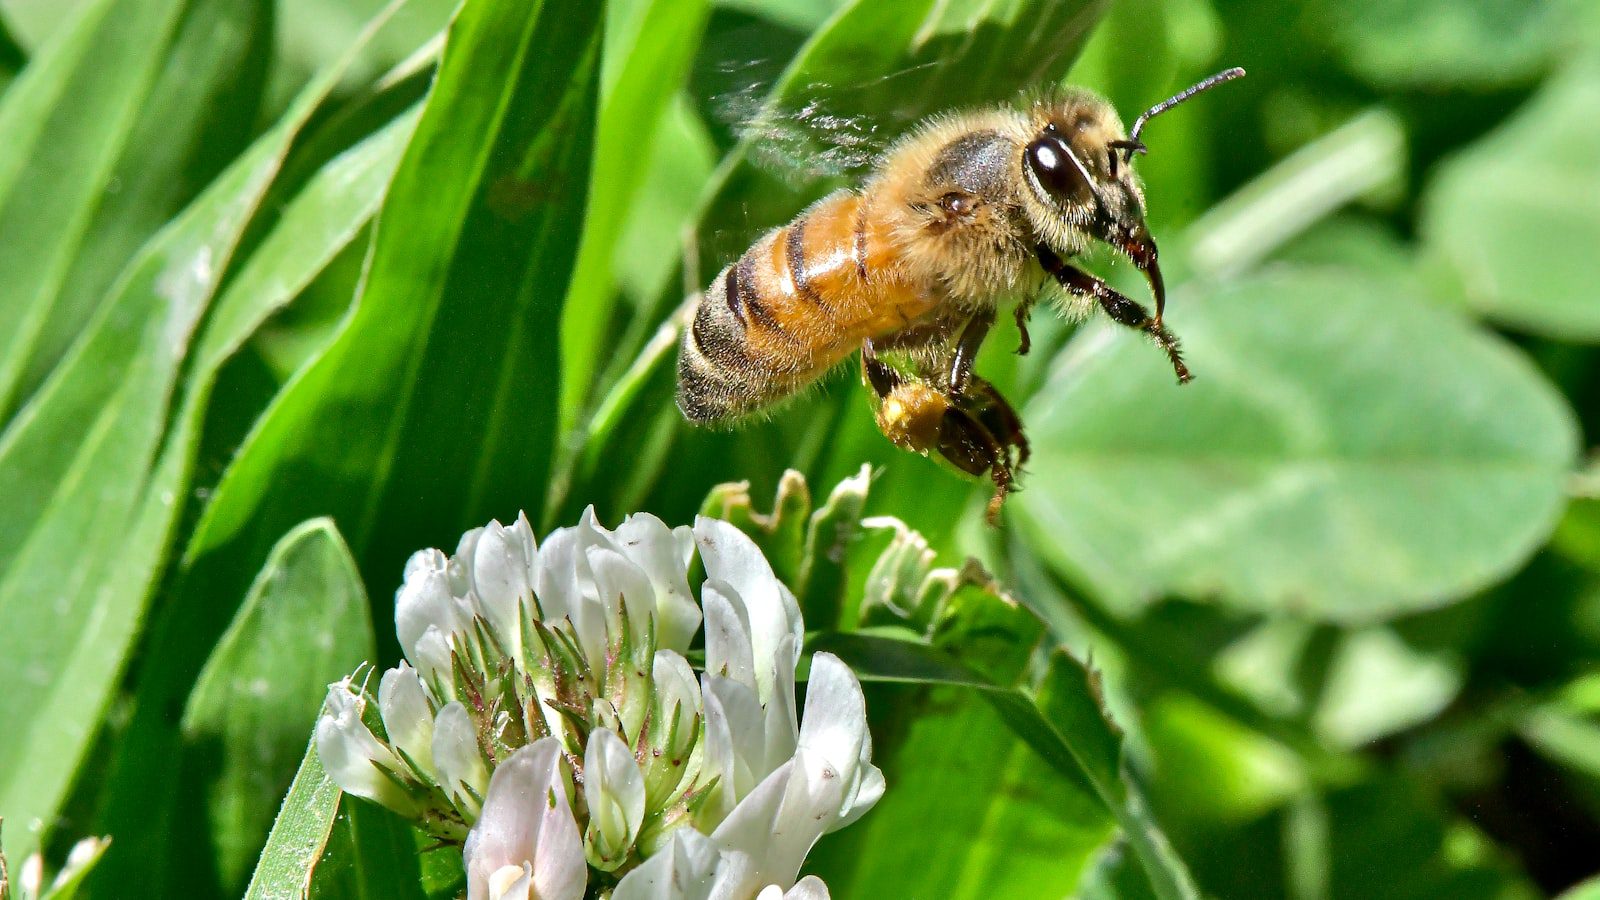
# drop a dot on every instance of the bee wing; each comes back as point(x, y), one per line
point(820, 130)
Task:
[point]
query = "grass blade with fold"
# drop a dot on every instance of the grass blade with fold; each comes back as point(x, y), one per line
point(112, 128)
point(81, 552)
point(434, 409)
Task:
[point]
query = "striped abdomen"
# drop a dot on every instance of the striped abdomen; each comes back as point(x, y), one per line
point(795, 304)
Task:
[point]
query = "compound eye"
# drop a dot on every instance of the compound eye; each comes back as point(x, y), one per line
point(1052, 164)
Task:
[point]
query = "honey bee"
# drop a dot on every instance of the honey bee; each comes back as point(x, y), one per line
point(966, 212)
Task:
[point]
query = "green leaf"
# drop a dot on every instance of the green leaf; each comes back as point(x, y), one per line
point(303, 624)
point(971, 811)
point(326, 215)
point(112, 128)
point(434, 408)
point(371, 855)
point(326, 844)
point(299, 834)
point(648, 45)
point(1063, 722)
point(1514, 215)
point(1345, 453)
point(96, 492)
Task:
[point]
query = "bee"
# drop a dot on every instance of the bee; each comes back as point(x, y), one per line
point(966, 212)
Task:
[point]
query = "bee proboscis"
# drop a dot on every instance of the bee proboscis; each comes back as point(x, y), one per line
point(966, 212)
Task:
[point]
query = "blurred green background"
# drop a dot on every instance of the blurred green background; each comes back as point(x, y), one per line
point(268, 260)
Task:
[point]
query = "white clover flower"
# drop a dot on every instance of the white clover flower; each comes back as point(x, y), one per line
point(549, 718)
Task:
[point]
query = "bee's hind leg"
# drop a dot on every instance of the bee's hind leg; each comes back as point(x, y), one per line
point(973, 431)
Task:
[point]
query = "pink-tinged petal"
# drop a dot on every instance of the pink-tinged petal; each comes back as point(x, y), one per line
point(527, 819)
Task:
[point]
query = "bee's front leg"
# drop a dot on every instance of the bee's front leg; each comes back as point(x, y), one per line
point(1118, 306)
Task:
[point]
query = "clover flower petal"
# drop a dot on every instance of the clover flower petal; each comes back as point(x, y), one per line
point(547, 718)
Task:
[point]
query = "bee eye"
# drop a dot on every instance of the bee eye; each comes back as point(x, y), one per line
point(1052, 164)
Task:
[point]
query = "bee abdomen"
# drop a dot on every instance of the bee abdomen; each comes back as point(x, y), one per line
point(719, 375)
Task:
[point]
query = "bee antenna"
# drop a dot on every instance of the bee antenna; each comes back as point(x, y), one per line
point(1133, 145)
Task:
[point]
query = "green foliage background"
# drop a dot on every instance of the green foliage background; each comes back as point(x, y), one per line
point(291, 288)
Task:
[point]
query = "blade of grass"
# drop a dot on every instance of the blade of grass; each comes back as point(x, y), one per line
point(95, 533)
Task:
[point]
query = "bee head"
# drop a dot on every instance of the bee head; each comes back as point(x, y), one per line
point(1080, 183)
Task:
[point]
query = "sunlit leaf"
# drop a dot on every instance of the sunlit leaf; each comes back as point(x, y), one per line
point(94, 501)
point(648, 43)
point(434, 408)
point(1346, 452)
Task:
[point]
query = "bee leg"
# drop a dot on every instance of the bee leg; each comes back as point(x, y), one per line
point(1001, 419)
point(882, 377)
point(1023, 310)
point(966, 353)
point(967, 439)
point(1118, 306)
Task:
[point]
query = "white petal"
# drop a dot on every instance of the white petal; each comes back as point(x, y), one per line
point(749, 838)
point(659, 551)
point(618, 582)
point(459, 569)
point(555, 574)
point(456, 757)
point(511, 883)
point(676, 687)
point(423, 600)
point(31, 879)
point(782, 725)
point(431, 655)
point(351, 754)
point(502, 577)
point(682, 870)
point(807, 888)
point(407, 718)
point(527, 819)
point(728, 650)
point(738, 719)
point(730, 556)
point(835, 729)
point(614, 789)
